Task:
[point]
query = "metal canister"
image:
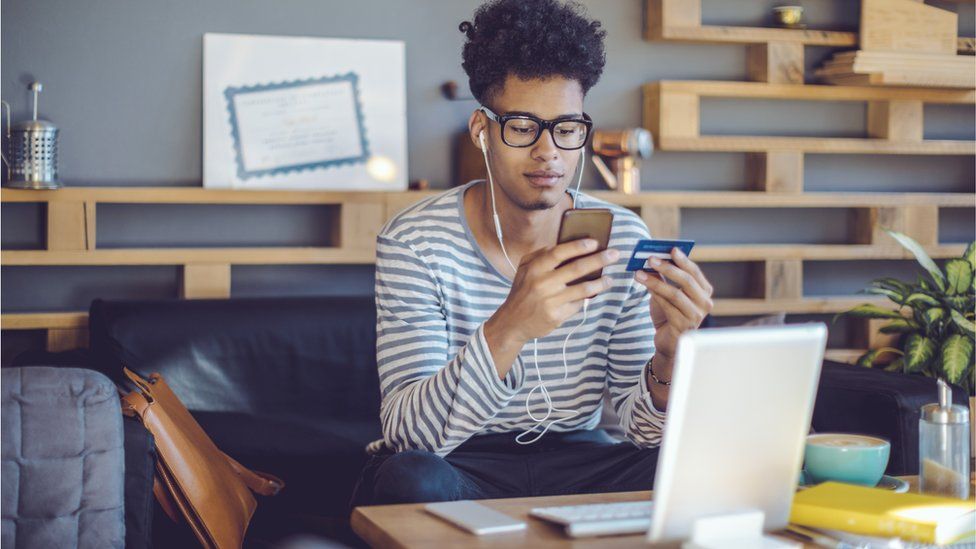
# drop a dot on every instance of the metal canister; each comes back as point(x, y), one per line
point(32, 151)
point(943, 447)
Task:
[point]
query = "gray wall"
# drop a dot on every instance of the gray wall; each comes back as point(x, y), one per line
point(123, 81)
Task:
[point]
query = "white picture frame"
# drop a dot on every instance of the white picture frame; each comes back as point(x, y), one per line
point(284, 112)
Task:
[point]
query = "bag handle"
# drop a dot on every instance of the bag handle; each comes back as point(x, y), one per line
point(260, 483)
point(139, 382)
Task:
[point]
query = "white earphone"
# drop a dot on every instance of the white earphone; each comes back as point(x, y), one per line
point(541, 387)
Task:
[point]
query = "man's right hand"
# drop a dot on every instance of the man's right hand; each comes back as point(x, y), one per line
point(541, 298)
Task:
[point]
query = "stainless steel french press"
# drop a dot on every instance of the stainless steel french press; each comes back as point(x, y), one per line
point(31, 152)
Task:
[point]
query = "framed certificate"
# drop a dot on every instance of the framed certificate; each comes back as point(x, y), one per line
point(306, 113)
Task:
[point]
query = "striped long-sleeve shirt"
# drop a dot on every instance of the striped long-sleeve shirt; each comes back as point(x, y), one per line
point(434, 291)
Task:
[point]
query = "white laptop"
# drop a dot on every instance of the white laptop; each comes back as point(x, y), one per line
point(739, 411)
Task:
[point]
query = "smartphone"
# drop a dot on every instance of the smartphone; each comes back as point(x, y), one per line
point(595, 223)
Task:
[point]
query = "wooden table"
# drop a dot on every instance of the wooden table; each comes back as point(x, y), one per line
point(410, 526)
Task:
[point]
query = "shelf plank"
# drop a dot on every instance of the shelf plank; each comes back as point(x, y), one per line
point(727, 34)
point(847, 356)
point(823, 252)
point(682, 133)
point(723, 307)
point(366, 256)
point(822, 145)
point(807, 305)
point(693, 199)
point(191, 195)
point(183, 256)
point(40, 321)
point(756, 199)
point(724, 34)
point(809, 92)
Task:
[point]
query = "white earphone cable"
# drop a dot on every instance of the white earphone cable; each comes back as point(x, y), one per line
point(541, 386)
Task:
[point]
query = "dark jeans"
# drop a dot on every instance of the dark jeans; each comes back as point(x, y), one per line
point(494, 466)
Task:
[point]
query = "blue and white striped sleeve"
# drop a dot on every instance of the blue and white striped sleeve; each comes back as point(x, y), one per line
point(430, 401)
point(631, 345)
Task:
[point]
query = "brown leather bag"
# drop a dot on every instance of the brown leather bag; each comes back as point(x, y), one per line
point(195, 481)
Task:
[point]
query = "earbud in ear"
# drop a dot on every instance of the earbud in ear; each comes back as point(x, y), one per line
point(481, 139)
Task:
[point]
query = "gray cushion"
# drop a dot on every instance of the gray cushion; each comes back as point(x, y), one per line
point(62, 459)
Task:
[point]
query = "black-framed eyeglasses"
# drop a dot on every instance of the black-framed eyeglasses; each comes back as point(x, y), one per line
point(523, 130)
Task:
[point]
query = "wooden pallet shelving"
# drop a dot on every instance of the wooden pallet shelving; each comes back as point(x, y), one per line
point(776, 269)
point(895, 122)
point(775, 68)
point(773, 55)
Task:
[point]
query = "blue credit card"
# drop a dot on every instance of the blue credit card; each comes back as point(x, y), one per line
point(661, 249)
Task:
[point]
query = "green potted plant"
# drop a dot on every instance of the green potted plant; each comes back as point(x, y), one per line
point(935, 317)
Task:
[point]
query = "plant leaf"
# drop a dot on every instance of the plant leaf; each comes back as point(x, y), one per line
point(923, 298)
point(925, 284)
point(896, 365)
point(959, 275)
point(893, 284)
point(963, 323)
point(956, 353)
point(933, 315)
point(919, 350)
point(958, 302)
point(867, 359)
point(890, 294)
point(970, 255)
point(923, 258)
point(868, 310)
point(899, 326)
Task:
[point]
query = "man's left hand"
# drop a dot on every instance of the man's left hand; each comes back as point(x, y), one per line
point(677, 308)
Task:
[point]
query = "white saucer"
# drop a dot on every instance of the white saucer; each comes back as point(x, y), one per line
point(887, 483)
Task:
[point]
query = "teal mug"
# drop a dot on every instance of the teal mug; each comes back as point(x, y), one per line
point(842, 457)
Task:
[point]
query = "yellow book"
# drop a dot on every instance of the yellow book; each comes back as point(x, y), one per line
point(877, 512)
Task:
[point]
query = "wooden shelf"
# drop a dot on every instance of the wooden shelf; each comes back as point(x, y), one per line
point(724, 34)
point(333, 256)
point(847, 356)
point(672, 112)
point(809, 305)
point(807, 252)
point(182, 256)
point(681, 21)
point(814, 145)
point(723, 307)
point(39, 321)
point(191, 195)
point(809, 92)
point(757, 199)
point(693, 199)
point(206, 272)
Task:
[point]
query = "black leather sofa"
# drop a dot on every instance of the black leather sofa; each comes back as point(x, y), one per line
point(289, 386)
point(284, 385)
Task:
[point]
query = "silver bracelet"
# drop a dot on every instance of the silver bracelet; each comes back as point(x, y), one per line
point(650, 370)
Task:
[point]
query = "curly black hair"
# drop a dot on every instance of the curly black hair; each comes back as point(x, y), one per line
point(530, 39)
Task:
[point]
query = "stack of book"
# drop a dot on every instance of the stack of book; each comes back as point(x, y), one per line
point(881, 68)
point(842, 509)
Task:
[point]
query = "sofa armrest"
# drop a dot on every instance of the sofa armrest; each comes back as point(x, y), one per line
point(62, 459)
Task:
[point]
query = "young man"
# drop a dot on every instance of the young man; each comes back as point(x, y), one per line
point(492, 367)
